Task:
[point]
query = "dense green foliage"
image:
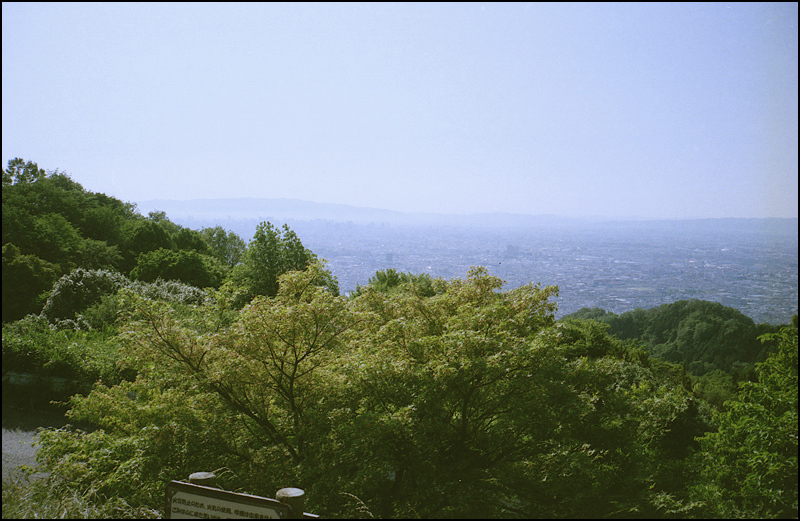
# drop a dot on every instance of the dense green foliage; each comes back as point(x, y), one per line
point(186, 266)
point(52, 226)
point(75, 337)
point(412, 397)
point(750, 463)
point(390, 281)
point(271, 253)
point(468, 402)
point(80, 289)
point(226, 247)
point(33, 345)
point(703, 336)
point(26, 281)
point(716, 345)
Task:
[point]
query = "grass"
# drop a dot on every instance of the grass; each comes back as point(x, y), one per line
point(52, 498)
point(28, 495)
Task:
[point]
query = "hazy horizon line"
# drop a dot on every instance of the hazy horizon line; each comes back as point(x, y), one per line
point(454, 214)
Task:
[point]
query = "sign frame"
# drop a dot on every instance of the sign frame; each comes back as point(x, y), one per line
point(257, 507)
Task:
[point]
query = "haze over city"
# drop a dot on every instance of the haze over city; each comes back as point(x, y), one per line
point(627, 110)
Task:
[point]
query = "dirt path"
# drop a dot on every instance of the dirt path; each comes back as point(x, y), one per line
point(19, 434)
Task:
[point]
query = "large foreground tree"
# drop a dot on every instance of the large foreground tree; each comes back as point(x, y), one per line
point(465, 401)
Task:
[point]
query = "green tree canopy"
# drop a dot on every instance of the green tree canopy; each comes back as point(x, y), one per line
point(389, 280)
point(147, 235)
point(18, 171)
point(470, 402)
point(226, 246)
point(52, 226)
point(187, 239)
point(750, 463)
point(702, 335)
point(26, 278)
point(186, 266)
point(51, 219)
point(270, 254)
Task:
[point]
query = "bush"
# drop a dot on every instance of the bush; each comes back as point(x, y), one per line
point(170, 291)
point(150, 432)
point(80, 289)
point(33, 345)
point(86, 299)
point(103, 314)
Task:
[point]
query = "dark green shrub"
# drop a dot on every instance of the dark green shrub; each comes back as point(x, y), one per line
point(25, 279)
point(104, 313)
point(189, 267)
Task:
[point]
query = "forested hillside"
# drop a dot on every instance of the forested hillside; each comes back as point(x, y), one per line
point(52, 226)
point(714, 346)
point(702, 336)
point(412, 397)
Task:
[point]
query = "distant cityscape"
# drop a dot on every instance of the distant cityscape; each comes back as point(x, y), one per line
point(750, 265)
point(615, 271)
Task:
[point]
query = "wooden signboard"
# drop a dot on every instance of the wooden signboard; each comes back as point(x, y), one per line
point(190, 501)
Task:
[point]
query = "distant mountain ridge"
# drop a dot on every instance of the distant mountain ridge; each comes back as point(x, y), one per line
point(295, 209)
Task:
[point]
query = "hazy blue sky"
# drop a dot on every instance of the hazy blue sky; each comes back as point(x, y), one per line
point(650, 110)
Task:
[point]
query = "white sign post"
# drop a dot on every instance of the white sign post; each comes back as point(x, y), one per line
point(190, 501)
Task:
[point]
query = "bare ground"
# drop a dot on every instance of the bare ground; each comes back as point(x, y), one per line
point(19, 433)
